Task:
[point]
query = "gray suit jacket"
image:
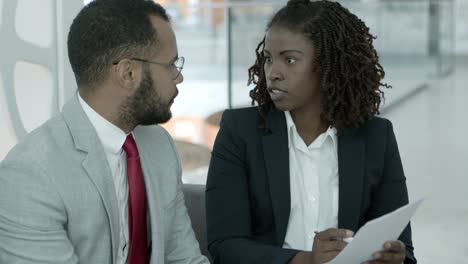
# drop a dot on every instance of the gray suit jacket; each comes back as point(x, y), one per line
point(58, 203)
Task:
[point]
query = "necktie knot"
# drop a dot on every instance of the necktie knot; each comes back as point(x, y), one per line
point(130, 147)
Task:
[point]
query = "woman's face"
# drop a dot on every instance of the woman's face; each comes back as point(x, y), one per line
point(291, 74)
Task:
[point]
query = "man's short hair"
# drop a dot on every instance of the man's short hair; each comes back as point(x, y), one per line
point(106, 31)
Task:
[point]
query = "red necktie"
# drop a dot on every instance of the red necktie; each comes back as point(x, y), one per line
point(136, 204)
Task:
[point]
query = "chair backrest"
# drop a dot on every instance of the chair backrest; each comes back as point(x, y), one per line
point(195, 202)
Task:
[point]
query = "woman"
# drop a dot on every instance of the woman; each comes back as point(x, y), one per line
point(293, 177)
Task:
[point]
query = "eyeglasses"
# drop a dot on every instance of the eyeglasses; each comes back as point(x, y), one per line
point(175, 67)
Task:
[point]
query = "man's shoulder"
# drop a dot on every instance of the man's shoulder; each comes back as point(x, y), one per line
point(155, 140)
point(152, 134)
point(41, 143)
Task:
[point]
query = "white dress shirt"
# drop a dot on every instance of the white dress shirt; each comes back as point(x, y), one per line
point(112, 139)
point(314, 180)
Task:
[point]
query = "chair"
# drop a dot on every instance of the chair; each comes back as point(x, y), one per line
point(195, 202)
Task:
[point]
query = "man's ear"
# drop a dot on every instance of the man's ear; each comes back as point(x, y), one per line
point(127, 73)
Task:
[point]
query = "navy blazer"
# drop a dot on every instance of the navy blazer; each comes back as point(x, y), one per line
point(248, 185)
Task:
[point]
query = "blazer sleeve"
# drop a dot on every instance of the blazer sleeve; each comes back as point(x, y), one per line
point(181, 246)
point(32, 217)
point(392, 192)
point(229, 226)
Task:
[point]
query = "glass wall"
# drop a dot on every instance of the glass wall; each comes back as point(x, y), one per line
point(415, 41)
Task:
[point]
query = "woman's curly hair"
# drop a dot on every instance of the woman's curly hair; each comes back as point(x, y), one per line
point(349, 68)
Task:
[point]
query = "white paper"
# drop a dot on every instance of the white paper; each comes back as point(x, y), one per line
point(371, 236)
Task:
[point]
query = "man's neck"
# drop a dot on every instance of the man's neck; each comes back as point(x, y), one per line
point(106, 107)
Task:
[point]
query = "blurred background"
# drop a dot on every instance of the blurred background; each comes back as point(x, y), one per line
point(423, 47)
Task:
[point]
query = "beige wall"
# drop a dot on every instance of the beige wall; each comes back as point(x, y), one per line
point(35, 77)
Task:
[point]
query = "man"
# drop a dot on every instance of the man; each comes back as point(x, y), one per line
point(96, 183)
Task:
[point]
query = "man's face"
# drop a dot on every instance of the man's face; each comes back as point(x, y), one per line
point(147, 106)
point(152, 100)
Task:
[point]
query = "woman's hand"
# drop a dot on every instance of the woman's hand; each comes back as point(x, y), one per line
point(394, 252)
point(328, 244)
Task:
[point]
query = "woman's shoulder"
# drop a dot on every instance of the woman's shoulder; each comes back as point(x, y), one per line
point(242, 111)
point(378, 123)
point(245, 114)
point(244, 122)
point(377, 129)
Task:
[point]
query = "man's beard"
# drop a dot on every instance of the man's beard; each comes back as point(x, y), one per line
point(145, 107)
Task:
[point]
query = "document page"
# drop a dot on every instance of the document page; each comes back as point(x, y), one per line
point(371, 236)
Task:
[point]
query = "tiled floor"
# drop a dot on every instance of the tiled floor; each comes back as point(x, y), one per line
point(432, 131)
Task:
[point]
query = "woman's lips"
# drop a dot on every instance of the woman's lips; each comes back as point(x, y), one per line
point(276, 94)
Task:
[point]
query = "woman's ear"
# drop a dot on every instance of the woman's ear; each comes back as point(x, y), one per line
point(315, 67)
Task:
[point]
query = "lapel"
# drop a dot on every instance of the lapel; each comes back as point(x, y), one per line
point(276, 154)
point(351, 158)
point(94, 163)
point(155, 216)
point(351, 166)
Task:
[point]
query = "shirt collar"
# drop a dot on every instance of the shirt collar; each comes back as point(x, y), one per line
point(291, 128)
point(111, 136)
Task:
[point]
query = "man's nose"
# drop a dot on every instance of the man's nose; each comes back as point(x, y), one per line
point(179, 79)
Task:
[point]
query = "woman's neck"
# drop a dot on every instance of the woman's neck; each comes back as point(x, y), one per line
point(309, 124)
